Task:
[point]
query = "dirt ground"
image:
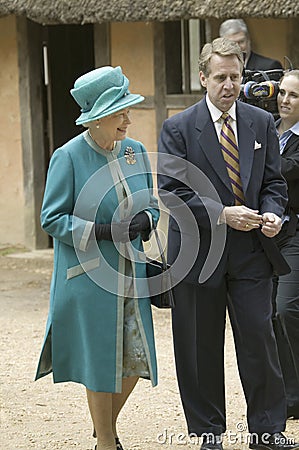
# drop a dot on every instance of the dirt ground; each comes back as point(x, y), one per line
point(42, 415)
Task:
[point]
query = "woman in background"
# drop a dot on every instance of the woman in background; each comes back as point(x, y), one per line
point(287, 286)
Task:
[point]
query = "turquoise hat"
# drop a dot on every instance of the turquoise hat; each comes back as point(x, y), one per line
point(102, 92)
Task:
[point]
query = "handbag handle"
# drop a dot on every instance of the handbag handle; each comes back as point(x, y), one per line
point(161, 251)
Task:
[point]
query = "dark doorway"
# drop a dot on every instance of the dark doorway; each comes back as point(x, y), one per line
point(68, 52)
point(50, 58)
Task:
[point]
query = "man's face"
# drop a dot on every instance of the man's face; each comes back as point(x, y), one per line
point(242, 40)
point(224, 80)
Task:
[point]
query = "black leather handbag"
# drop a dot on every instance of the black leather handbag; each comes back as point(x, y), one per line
point(159, 279)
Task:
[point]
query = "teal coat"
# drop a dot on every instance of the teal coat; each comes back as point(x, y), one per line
point(84, 333)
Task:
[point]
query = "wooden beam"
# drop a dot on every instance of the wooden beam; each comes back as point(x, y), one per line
point(32, 129)
point(186, 56)
point(159, 76)
point(181, 101)
point(293, 42)
point(102, 53)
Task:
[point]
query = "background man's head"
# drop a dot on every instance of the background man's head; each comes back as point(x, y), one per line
point(236, 30)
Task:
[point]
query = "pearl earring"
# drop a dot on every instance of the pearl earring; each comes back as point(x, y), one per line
point(98, 124)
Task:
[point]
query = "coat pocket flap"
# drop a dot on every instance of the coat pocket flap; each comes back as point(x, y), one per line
point(82, 268)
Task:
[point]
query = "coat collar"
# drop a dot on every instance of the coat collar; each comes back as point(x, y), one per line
point(291, 145)
point(99, 149)
point(294, 136)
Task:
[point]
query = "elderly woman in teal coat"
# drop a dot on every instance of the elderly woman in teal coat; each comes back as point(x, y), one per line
point(99, 207)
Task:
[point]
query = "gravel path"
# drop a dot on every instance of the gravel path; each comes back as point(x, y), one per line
point(41, 415)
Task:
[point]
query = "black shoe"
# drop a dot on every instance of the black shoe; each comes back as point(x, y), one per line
point(118, 444)
point(276, 441)
point(211, 442)
point(117, 441)
point(293, 412)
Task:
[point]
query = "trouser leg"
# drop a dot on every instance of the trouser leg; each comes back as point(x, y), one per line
point(287, 307)
point(198, 332)
point(251, 317)
point(249, 278)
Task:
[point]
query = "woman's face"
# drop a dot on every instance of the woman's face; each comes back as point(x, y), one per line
point(114, 127)
point(288, 99)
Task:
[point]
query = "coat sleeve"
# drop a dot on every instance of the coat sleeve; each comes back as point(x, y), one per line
point(57, 217)
point(182, 185)
point(290, 163)
point(273, 194)
point(153, 208)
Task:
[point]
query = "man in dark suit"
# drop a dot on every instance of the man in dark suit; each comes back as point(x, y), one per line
point(236, 30)
point(197, 185)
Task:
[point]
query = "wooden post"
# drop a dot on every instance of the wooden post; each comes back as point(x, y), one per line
point(32, 129)
point(102, 54)
point(159, 76)
point(293, 42)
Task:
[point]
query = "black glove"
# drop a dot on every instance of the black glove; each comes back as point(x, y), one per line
point(115, 231)
point(141, 224)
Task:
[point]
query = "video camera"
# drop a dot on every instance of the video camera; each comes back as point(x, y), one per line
point(260, 88)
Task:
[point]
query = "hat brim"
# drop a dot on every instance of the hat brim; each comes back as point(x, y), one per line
point(124, 102)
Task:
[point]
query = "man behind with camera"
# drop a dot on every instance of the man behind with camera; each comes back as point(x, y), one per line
point(236, 30)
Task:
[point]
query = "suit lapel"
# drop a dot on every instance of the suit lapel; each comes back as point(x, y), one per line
point(291, 145)
point(209, 143)
point(246, 144)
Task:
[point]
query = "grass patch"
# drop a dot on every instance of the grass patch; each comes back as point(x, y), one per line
point(4, 251)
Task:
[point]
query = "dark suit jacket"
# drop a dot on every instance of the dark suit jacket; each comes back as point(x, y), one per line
point(259, 62)
point(290, 170)
point(199, 179)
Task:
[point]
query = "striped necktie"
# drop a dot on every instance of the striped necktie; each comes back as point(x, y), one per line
point(231, 157)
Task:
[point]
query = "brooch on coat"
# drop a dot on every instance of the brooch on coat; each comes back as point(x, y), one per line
point(130, 155)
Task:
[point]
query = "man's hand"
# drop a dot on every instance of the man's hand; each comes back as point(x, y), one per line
point(241, 218)
point(271, 225)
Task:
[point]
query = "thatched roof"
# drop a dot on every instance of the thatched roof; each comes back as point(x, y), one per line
point(97, 11)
